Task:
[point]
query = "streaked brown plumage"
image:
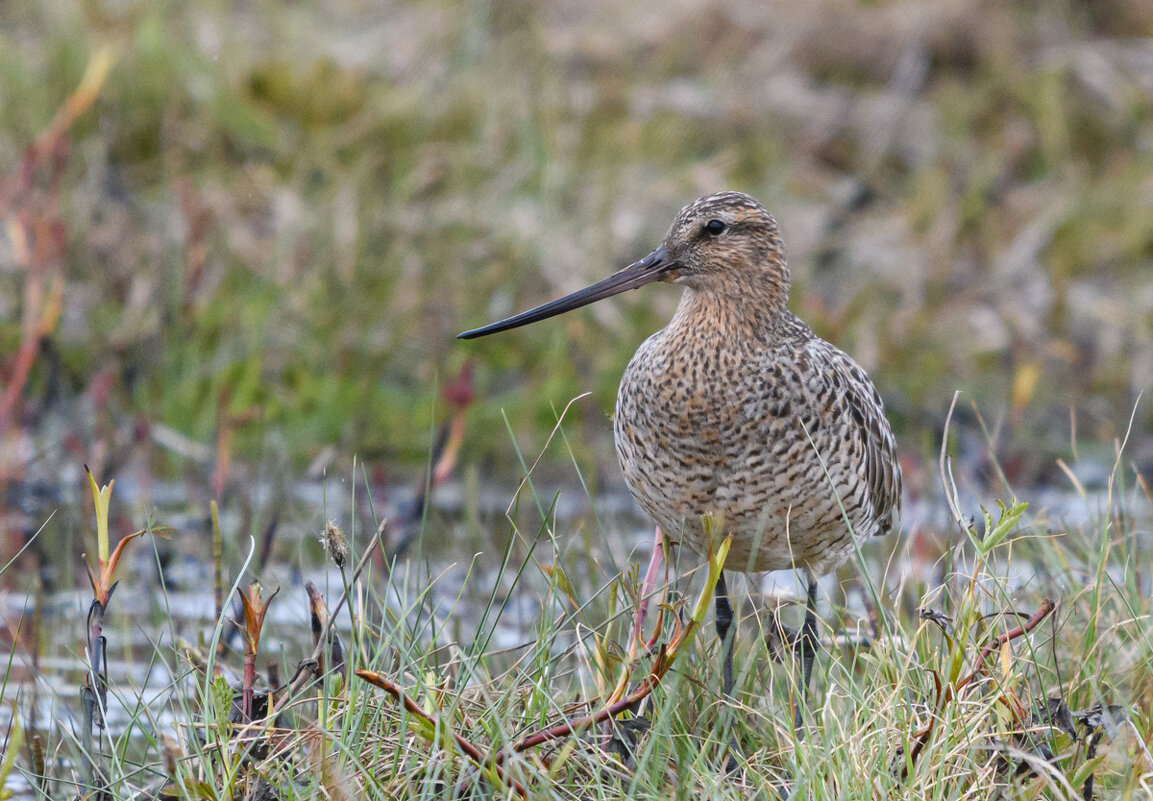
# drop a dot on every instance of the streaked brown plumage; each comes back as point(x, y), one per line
point(736, 408)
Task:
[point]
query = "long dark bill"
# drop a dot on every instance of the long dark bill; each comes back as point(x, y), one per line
point(639, 273)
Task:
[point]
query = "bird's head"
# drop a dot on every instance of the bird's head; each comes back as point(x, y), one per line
point(726, 243)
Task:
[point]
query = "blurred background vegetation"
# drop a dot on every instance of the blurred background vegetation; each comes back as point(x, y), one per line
point(274, 217)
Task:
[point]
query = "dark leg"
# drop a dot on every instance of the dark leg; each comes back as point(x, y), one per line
point(724, 626)
point(808, 655)
point(727, 635)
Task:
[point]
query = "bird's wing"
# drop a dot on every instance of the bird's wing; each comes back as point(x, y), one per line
point(882, 468)
point(882, 465)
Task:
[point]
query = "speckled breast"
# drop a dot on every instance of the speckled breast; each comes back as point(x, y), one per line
point(763, 437)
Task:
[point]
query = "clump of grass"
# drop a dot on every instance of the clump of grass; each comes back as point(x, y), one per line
point(990, 691)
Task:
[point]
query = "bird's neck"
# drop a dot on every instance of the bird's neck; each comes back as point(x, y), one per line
point(735, 317)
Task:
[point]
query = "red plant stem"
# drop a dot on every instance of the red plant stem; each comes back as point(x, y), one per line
point(97, 664)
point(947, 693)
point(246, 687)
point(661, 664)
point(648, 684)
point(651, 642)
point(648, 585)
point(1047, 606)
point(447, 461)
point(254, 611)
point(922, 737)
point(470, 750)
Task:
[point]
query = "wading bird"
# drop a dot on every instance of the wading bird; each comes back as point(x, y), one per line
point(738, 410)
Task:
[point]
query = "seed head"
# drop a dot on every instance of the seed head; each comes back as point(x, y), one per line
point(334, 544)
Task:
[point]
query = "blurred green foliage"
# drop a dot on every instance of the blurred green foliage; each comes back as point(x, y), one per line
point(288, 210)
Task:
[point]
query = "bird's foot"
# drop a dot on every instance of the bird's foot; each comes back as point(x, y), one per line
point(621, 738)
point(732, 767)
point(780, 639)
point(784, 642)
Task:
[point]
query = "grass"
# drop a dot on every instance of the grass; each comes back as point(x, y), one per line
point(1018, 664)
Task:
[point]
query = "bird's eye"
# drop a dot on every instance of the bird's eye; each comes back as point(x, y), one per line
point(715, 227)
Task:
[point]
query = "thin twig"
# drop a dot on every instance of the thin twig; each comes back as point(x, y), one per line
point(947, 483)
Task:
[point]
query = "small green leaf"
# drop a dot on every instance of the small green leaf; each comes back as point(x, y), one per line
point(221, 704)
point(560, 580)
point(1085, 771)
point(995, 535)
point(201, 790)
point(716, 565)
point(101, 496)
